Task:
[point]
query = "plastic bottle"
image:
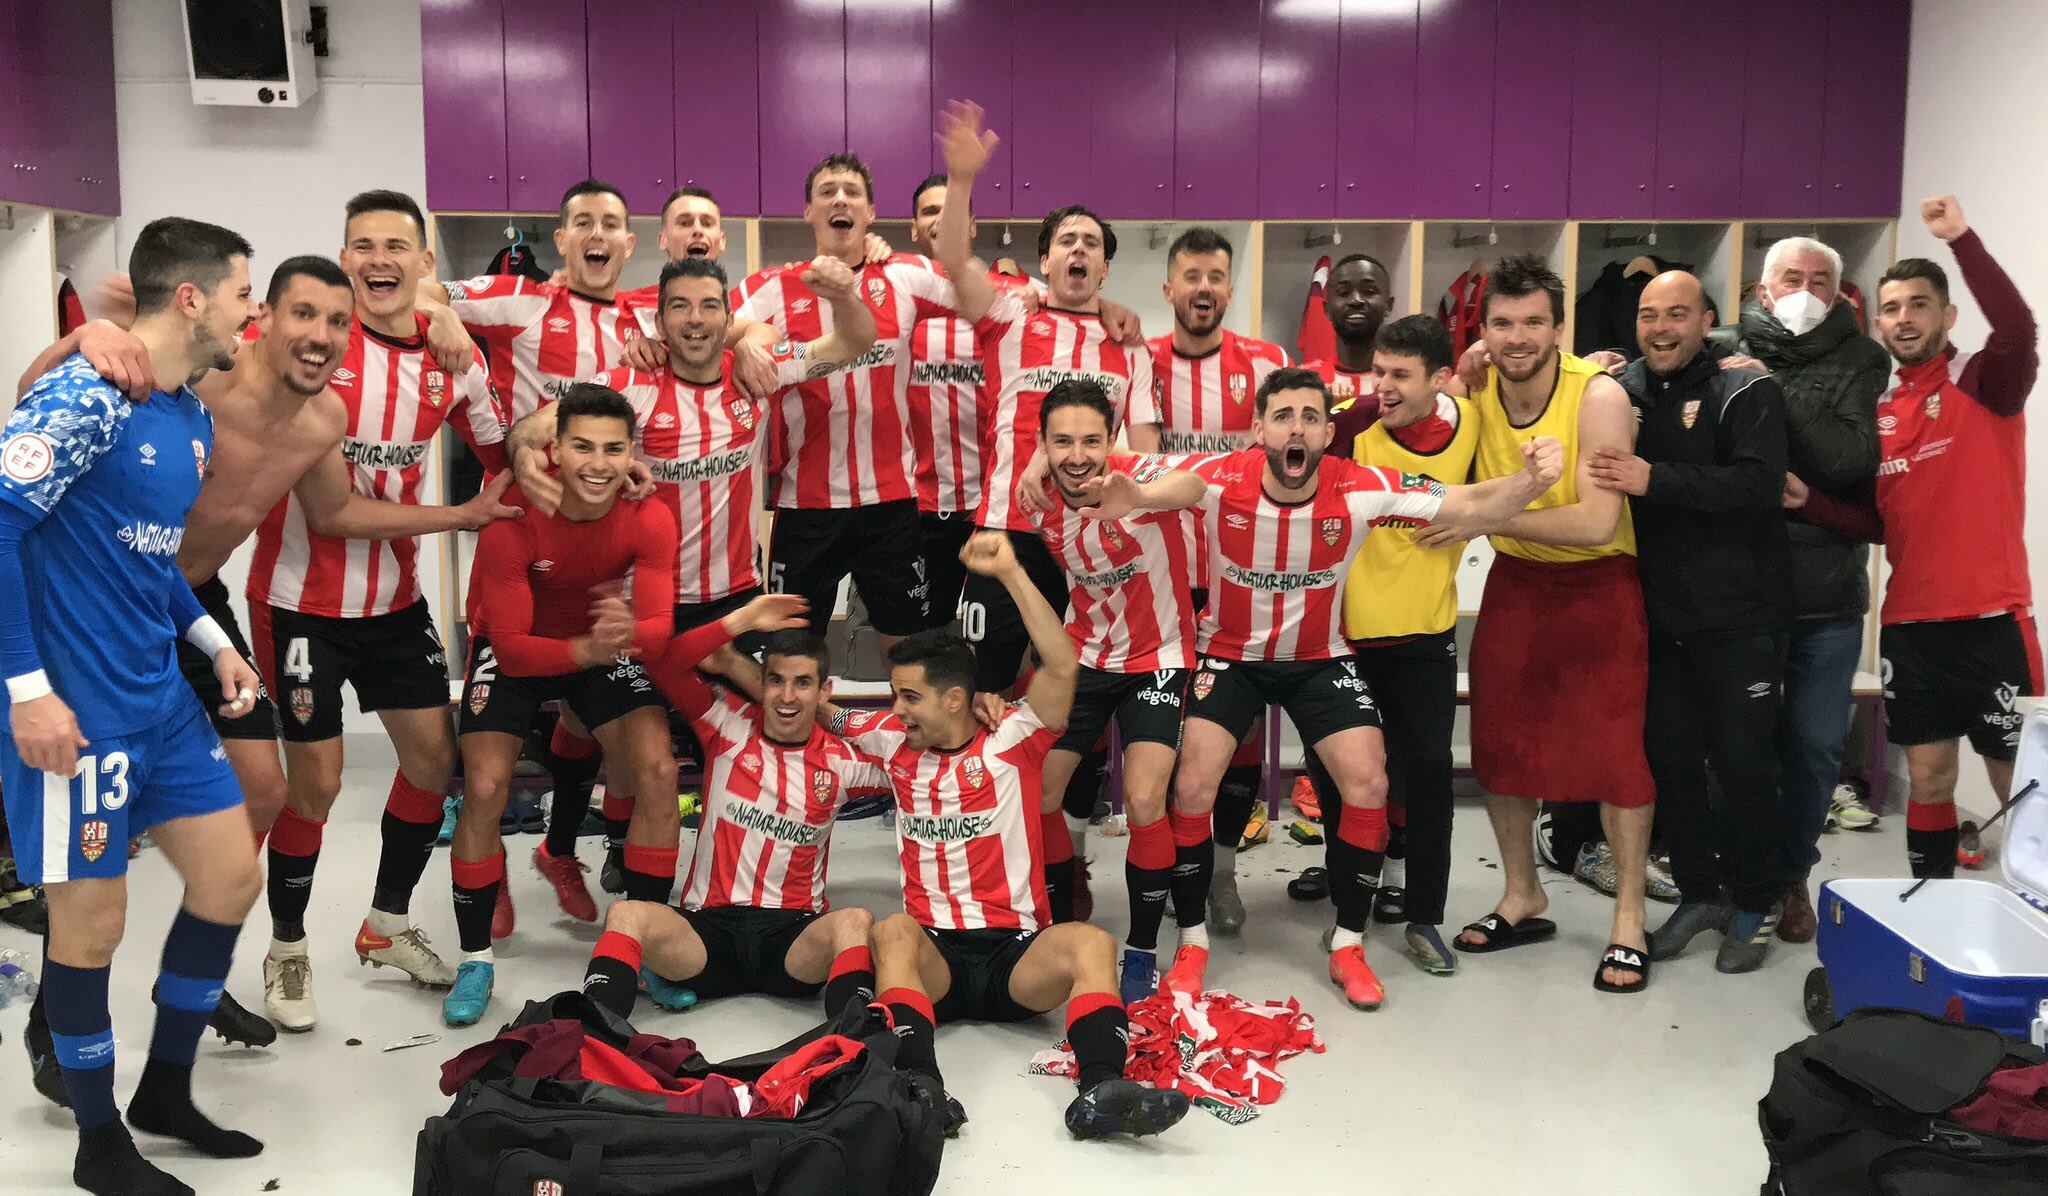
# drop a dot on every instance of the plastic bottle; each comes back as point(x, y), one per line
point(17, 982)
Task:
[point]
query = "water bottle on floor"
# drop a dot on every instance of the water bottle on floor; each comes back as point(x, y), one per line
point(17, 982)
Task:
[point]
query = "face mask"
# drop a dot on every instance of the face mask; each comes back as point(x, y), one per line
point(1800, 312)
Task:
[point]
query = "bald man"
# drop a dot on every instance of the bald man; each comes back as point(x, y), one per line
point(1705, 484)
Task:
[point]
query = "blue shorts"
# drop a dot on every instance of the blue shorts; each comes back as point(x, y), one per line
point(78, 828)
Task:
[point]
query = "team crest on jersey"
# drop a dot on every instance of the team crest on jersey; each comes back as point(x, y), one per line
point(27, 457)
point(878, 292)
point(1689, 414)
point(479, 697)
point(92, 840)
point(1934, 405)
point(972, 774)
point(750, 763)
point(546, 1187)
point(433, 387)
point(1331, 529)
point(302, 703)
point(821, 787)
point(1240, 389)
point(199, 458)
point(1204, 682)
point(1112, 537)
point(741, 408)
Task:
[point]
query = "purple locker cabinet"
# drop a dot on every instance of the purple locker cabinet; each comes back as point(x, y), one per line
point(462, 50)
point(1297, 133)
point(1454, 109)
point(1614, 112)
point(1130, 141)
point(547, 102)
point(1863, 127)
point(889, 97)
point(803, 96)
point(1216, 156)
point(716, 83)
point(632, 98)
point(1781, 108)
point(1378, 91)
point(971, 61)
point(1532, 110)
point(1699, 113)
point(1052, 108)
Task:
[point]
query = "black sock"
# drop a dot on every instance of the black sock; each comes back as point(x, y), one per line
point(645, 886)
point(1148, 888)
point(290, 886)
point(1235, 797)
point(1098, 1038)
point(612, 983)
point(109, 1165)
point(1397, 840)
point(1084, 788)
point(1059, 888)
point(1932, 854)
point(401, 861)
point(910, 1014)
point(1354, 877)
point(570, 802)
point(473, 909)
point(163, 1105)
point(844, 988)
point(1194, 866)
point(615, 834)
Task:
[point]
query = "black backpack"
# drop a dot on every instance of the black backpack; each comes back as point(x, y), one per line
point(1861, 1108)
point(867, 1130)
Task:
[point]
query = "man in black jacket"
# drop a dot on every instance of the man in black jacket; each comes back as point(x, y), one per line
point(1706, 480)
point(1798, 328)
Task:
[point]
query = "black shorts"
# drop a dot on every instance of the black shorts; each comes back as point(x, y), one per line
point(1959, 678)
point(1321, 697)
point(261, 720)
point(989, 618)
point(745, 949)
point(981, 962)
point(812, 551)
point(393, 661)
point(944, 534)
point(1147, 708)
point(497, 701)
point(692, 615)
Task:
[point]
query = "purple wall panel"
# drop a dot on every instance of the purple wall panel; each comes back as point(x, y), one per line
point(1216, 155)
point(462, 47)
point(632, 98)
point(1052, 110)
point(803, 96)
point(1297, 135)
point(1454, 108)
point(889, 97)
point(1782, 104)
point(1699, 113)
point(1130, 137)
point(1864, 124)
point(1532, 109)
point(717, 128)
point(1377, 94)
point(547, 107)
point(1614, 112)
point(971, 61)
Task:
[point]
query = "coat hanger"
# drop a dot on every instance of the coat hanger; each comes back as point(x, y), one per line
point(1643, 264)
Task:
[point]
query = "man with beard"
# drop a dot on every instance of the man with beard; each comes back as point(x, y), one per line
point(1558, 666)
point(1800, 328)
point(1357, 299)
point(1283, 523)
point(1958, 639)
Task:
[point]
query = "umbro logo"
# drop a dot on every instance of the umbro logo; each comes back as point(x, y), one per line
point(1761, 689)
point(343, 375)
point(1239, 522)
point(148, 452)
point(1041, 328)
point(664, 420)
point(543, 566)
point(798, 307)
point(559, 324)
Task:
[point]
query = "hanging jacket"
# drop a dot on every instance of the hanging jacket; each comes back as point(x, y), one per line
point(1710, 530)
point(1460, 308)
point(1605, 315)
point(1832, 378)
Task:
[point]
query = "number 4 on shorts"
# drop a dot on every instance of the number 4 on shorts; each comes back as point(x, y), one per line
point(298, 659)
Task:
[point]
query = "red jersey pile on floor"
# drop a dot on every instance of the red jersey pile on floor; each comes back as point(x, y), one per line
point(1223, 1051)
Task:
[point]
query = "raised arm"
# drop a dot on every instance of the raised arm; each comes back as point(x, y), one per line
point(1051, 692)
point(2010, 360)
point(967, 146)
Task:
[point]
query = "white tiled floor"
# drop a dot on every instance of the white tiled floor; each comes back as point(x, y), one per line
point(1514, 1075)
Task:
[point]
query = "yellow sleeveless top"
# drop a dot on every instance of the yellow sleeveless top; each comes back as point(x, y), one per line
point(1396, 586)
point(1500, 454)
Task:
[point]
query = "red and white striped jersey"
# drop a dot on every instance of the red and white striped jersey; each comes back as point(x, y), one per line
point(945, 410)
point(397, 400)
point(844, 441)
point(702, 444)
point(967, 821)
point(1130, 610)
point(768, 808)
point(1024, 355)
point(541, 338)
point(1276, 573)
point(1204, 404)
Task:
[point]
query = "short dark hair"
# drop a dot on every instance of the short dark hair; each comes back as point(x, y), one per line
point(1909, 268)
point(1291, 378)
point(850, 162)
point(1522, 274)
point(309, 265)
point(1199, 239)
point(172, 251)
point(691, 267)
point(800, 641)
point(703, 193)
point(930, 181)
point(1367, 258)
point(1417, 336)
point(384, 201)
point(947, 660)
point(1054, 218)
point(1077, 392)
point(593, 399)
point(591, 187)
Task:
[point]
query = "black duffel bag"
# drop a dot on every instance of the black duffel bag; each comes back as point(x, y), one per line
point(1861, 1108)
point(866, 1130)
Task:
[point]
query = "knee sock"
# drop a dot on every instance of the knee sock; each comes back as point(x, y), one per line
point(294, 851)
point(1931, 839)
point(910, 1012)
point(1354, 856)
point(613, 977)
point(1098, 1030)
point(618, 814)
point(650, 872)
point(412, 819)
point(851, 979)
point(476, 896)
point(1194, 862)
point(1235, 797)
point(82, 1033)
point(1084, 788)
point(1059, 865)
point(1148, 874)
point(1391, 871)
point(573, 762)
point(195, 965)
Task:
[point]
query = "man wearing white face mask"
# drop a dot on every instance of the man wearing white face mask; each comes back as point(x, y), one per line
point(1797, 327)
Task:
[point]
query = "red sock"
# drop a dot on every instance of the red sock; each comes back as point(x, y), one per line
point(1086, 1003)
point(617, 808)
point(408, 802)
point(1930, 816)
point(571, 746)
point(296, 835)
point(1364, 827)
point(910, 999)
point(475, 874)
point(1058, 845)
point(1190, 829)
point(652, 861)
point(1250, 753)
point(1397, 812)
point(622, 947)
point(1152, 846)
point(853, 959)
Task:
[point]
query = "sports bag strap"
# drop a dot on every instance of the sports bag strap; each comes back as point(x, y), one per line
point(766, 1159)
point(584, 1163)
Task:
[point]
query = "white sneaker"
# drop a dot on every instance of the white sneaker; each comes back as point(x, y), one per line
point(406, 950)
point(1847, 811)
point(288, 991)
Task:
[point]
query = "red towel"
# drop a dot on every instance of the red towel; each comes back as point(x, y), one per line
point(2014, 1102)
point(1317, 341)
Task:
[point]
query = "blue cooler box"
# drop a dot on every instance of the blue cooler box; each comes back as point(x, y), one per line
point(1968, 950)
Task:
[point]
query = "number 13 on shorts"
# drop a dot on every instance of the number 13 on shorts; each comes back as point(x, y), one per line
point(88, 809)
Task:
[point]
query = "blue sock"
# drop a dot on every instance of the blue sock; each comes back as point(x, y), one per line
point(75, 1001)
point(196, 958)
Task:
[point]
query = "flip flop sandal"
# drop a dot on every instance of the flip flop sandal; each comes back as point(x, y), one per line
point(1501, 934)
point(1390, 905)
point(1627, 959)
point(1312, 885)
